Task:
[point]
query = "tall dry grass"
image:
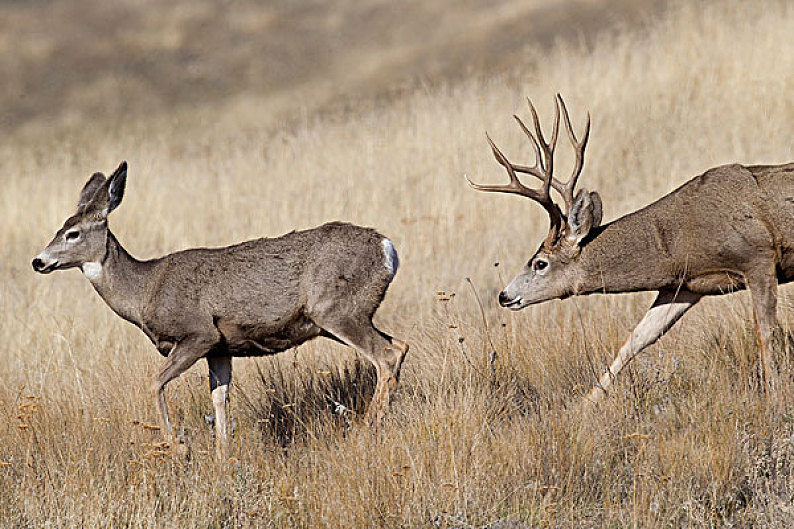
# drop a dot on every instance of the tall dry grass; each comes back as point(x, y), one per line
point(685, 439)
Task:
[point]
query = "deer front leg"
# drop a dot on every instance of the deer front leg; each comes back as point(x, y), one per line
point(220, 368)
point(668, 307)
point(182, 356)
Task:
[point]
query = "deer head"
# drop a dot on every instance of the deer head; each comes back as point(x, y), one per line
point(83, 237)
point(551, 272)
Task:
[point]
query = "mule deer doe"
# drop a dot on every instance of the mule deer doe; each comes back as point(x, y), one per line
point(730, 228)
point(255, 298)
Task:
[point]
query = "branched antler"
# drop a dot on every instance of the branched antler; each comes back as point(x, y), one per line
point(543, 168)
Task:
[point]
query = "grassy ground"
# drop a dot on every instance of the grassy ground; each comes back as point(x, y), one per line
point(685, 440)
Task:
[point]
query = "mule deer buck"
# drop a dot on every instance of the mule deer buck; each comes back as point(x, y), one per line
point(255, 298)
point(728, 229)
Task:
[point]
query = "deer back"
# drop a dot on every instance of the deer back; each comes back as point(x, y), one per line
point(271, 286)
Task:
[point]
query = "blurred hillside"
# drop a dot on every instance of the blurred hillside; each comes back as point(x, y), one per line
point(70, 63)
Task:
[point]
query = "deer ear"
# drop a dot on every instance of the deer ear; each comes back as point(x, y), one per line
point(89, 189)
point(585, 215)
point(597, 210)
point(116, 184)
point(108, 193)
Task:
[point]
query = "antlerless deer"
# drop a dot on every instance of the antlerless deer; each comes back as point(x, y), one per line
point(255, 298)
point(728, 229)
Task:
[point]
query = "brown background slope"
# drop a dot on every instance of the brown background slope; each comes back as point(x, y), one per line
point(69, 63)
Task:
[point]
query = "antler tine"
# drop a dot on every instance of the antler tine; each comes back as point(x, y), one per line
point(515, 185)
point(542, 195)
point(535, 170)
point(579, 147)
point(548, 148)
point(555, 129)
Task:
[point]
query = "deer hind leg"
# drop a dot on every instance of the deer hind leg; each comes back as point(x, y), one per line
point(388, 358)
point(763, 290)
point(667, 309)
point(220, 368)
point(398, 350)
point(182, 356)
point(385, 353)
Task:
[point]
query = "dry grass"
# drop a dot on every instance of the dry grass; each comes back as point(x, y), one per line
point(684, 440)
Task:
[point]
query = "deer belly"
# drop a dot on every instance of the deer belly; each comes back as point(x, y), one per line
point(715, 283)
point(252, 339)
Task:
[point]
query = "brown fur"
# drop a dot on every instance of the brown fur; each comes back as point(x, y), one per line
point(728, 229)
point(707, 236)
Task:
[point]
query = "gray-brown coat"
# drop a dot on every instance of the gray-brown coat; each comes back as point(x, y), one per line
point(255, 298)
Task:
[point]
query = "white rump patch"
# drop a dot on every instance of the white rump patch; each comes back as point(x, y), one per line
point(390, 261)
point(92, 270)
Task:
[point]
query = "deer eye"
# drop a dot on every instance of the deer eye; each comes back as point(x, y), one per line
point(540, 265)
point(72, 235)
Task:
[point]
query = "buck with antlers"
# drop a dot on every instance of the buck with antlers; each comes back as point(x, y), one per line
point(255, 298)
point(728, 229)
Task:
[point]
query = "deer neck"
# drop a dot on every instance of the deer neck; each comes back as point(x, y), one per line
point(607, 262)
point(119, 279)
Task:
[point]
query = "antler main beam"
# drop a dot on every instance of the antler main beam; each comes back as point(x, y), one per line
point(543, 168)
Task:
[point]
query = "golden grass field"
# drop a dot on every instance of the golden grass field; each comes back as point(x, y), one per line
point(685, 440)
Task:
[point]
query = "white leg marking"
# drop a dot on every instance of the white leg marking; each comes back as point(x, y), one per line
point(390, 260)
point(220, 377)
point(665, 311)
point(219, 398)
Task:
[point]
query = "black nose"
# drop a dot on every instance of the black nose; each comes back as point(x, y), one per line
point(503, 299)
point(38, 264)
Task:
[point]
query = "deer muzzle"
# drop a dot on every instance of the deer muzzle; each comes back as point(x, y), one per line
point(510, 302)
point(43, 265)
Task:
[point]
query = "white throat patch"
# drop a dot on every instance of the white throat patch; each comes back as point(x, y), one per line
point(92, 270)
